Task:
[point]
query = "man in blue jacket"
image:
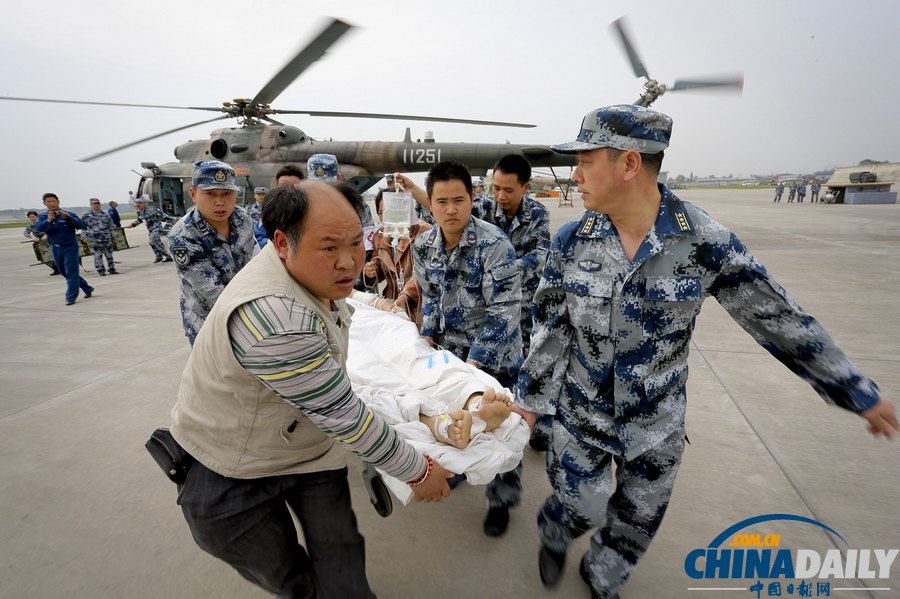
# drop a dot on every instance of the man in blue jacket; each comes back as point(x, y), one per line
point(59, 226)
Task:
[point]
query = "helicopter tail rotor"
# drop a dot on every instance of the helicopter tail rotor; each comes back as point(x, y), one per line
point(735, 82)
point(653, 89)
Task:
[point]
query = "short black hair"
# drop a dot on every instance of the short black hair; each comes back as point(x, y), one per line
point(285, 209)
point(514, 164)
point(49, 195)
point(30, 212)
point(349, 191)
point(379, 198)
point(448, 170)
point(286, 206)
point(289, 170)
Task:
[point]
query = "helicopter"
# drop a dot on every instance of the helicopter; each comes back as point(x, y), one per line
point(261, 145)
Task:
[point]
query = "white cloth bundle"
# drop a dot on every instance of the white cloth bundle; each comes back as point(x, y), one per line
point(395, 372)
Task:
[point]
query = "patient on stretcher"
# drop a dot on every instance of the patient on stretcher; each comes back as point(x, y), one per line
point(458, 414)
point(471, 410)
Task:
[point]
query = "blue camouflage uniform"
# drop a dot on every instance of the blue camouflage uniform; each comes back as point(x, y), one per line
point(154, 217)
point(779, 189)
point(471, 297)
point(470, 306)
point(99, 232)
point(64, 247)
point(206, 261)
point(801, 191)
point(482, 206)
point(814, 191)
point(792, 192)
point(609, 361)
point(254, 211)
point(529, 232)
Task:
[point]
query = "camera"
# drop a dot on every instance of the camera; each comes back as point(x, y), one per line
point(57, 213)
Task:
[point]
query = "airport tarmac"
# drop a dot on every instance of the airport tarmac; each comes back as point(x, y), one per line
point(86, 513)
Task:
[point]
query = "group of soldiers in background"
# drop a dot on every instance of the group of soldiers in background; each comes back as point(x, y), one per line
point(100, 232)
point(797, 189)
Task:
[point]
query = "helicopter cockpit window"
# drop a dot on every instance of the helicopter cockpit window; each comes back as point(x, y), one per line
point(218, 148)
point(290, 135)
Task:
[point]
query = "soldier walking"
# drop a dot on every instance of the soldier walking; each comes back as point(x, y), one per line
point(801, 191)
point(471, 292)
point(99, 233)
point(154, 217)
point(779, 189)
point(614, 314)
point(792, 191)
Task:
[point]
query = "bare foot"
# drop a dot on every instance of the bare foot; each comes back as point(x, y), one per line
point(453, 428)
point(495, 407)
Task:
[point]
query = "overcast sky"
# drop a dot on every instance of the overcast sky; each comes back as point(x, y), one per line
point(822, 82)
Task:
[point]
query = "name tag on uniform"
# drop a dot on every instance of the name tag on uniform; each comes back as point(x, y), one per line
point(589, 265)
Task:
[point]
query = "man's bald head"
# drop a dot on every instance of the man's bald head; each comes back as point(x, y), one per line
point(318, 236)
point(289, 207)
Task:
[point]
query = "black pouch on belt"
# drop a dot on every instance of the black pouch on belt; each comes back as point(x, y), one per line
point(172, 459)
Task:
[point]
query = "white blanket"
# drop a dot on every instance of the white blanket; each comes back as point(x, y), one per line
point(395, 372)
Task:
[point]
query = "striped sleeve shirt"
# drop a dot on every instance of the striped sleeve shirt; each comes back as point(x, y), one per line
point(282, 342)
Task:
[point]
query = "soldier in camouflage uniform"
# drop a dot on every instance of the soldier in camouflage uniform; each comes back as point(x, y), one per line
point(34, 236)
point(814, 191)
point(154, 217)
point(254, 211)
point(211, 243)
point(801, 191)
point(792, 191)
point(614, 313)
point(527, 224)
point(779, 189)
point(99, 232)
point(471, 295)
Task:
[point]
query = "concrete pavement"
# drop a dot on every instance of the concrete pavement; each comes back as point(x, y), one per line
point(86, 512)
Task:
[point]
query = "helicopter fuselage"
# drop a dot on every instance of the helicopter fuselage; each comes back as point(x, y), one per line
point(257, 152)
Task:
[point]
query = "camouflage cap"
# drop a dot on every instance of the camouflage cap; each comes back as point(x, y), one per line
point(95, 200)
point(623, 127)
point(322, 167)
point(260, 190)
point(213, 174)
point(477, 182)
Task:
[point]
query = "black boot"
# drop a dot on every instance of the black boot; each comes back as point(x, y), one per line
point(550, 565)
point(496, 521)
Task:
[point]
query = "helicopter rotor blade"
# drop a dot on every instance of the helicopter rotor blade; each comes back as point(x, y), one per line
point(140, 141)
point(402, 117)
point(302, 61)
point(214, 109)
point(636, 63)
point(732, 81)
point(273, 121)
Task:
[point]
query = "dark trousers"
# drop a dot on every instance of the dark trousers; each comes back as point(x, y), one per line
point(68, 263)
point(506, 488)
point(626, 515)
point(247, 524)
